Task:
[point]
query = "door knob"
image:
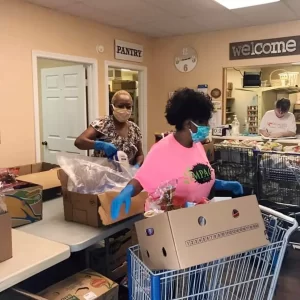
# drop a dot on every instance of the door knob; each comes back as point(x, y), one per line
point(44, 143)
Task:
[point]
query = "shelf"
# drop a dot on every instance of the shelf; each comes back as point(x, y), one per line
point(285, 89)
point(229, 112)
point(230, 98)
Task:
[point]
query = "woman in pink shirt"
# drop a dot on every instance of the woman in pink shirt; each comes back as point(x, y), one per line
point(179, 156)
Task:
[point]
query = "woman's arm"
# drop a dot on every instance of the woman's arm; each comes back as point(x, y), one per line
point(139, 158)
point(137, 187)
point(86, 141)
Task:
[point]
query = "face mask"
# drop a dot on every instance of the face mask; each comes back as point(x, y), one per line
point(201, 134)
point(121, 114)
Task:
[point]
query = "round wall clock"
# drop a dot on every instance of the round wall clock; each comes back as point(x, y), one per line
point(215, 93)
point(186, 60)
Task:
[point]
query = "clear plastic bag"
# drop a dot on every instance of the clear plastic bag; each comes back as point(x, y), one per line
point(94, 175)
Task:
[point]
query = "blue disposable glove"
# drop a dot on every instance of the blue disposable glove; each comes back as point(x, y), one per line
point(233, 186)
point(123, 198)
point(136, 166)
point(109, 149)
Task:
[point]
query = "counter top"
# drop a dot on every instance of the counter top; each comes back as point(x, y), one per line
point(257, 138)
point(77, 236)
point(31, 255)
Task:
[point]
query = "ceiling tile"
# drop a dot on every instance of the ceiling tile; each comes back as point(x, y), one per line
point(186, 8)
point(101, 16)
point(53, 3)
point(294, 5)
point(267, 14)
point(136, 10)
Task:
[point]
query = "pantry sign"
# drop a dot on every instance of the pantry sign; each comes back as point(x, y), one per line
point(283, 46)
point(128, 51)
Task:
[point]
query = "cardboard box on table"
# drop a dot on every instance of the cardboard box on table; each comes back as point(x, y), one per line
point(25, 204)
point(191, 236)
point(85, 285)
point(94, 210)
point(6, 237)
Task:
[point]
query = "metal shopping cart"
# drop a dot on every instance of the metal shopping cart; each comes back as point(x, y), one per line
point(277, 181)
point(251, 275)
point(236, 163)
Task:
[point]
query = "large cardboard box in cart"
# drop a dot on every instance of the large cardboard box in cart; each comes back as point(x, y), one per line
point(191, 236)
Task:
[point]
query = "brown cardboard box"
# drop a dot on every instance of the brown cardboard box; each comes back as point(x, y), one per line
point(210, 232)
point(43, 174)
point(94, 210)
point(85, 285)
point(210, 151)
point(25, 205)
point(6, 238)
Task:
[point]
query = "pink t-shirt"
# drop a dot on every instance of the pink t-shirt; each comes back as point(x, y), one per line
point(168, 160)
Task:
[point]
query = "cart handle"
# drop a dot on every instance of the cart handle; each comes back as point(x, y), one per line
point(279, 215)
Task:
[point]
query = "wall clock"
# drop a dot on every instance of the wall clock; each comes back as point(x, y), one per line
point(215, 93)
point(186, 60)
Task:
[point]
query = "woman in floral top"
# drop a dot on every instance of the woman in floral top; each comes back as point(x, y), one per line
point(109, 134)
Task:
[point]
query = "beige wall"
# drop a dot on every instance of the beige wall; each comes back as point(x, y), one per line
point(25, 27)
point(213, 55)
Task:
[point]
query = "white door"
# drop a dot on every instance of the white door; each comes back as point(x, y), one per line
point(64, 110)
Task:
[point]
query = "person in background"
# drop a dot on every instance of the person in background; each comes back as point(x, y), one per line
point(278, 123)
point(112, 133)
point(180, 156)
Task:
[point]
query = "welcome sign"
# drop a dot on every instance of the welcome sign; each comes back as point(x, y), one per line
point(128, 51)
point(265, 48)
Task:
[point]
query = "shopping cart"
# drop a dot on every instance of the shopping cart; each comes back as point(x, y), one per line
point(277, 181)
point(235, 163)
point(251, 275)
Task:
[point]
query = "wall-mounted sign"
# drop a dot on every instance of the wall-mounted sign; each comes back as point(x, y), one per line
point(283, 46)
point(128, 51)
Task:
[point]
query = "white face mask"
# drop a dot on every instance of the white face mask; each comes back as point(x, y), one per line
point(121, 114)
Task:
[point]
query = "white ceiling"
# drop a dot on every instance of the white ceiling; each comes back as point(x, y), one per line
point(158, 18)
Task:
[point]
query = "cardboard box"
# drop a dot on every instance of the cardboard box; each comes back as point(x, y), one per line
point(210, 232)
point(6, 237)
point(85, 285)
point(25, 205)
point(94, 210)
point(43, 174)
point(210, 151)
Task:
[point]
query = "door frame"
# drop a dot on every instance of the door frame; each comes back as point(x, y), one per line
point(92, 72)
point(143, 123)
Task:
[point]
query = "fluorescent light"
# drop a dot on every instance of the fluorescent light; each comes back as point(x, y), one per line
point(126, 70)
point(296, 63)
point(234, 4)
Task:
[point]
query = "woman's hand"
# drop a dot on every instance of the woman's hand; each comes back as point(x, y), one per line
point(109, 149)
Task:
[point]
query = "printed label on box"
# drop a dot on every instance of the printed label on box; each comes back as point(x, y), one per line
point(90, 296)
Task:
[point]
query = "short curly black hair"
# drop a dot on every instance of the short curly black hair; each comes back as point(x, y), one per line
point(187, 104)
point(283, 104)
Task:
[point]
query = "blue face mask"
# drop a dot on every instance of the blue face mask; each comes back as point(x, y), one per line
point(201, 134)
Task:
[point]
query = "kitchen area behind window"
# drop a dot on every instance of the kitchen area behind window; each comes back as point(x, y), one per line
point(249, 102)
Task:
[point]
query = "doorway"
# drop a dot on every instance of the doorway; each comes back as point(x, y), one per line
point(65, 89)
point(132, 78)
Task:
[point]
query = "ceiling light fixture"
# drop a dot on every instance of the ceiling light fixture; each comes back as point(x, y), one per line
point(296, 63)
point(234, 4)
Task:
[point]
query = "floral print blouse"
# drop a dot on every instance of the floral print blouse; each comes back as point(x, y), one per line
point(128, 144)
